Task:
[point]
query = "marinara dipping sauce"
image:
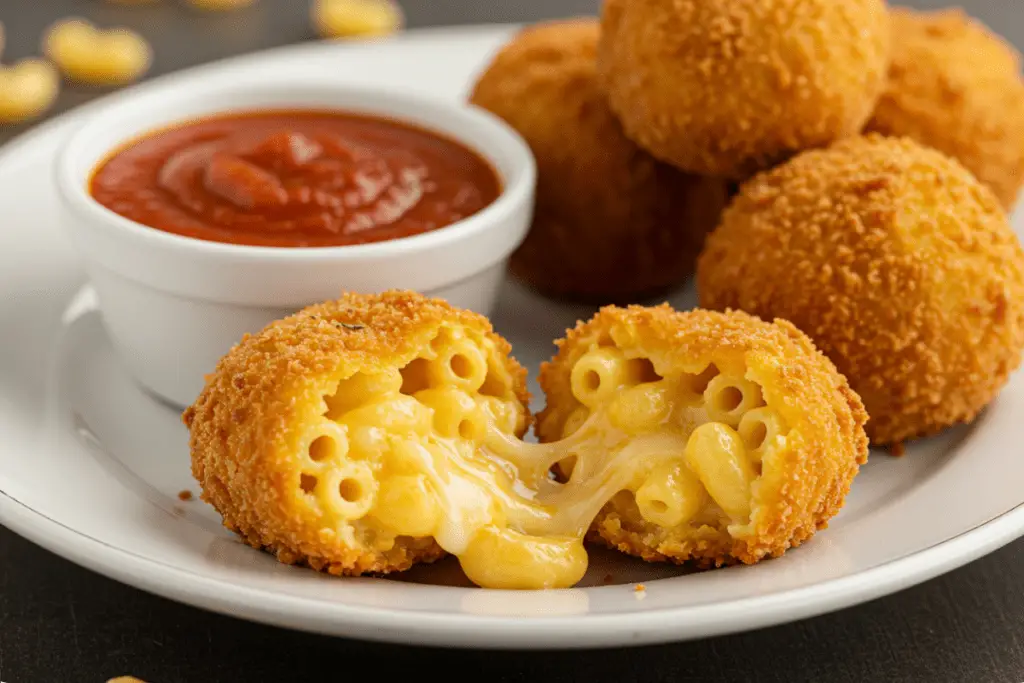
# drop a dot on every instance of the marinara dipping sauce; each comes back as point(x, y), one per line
point(295, 179)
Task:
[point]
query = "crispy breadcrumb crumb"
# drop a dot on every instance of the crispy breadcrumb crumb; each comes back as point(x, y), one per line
point(730, 88)
point(611, 223)
point(804, 482)
point(957, 86)
point(898, 263)
point(244, 424)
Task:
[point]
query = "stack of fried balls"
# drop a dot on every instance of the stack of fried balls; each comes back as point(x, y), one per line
point(846, 166)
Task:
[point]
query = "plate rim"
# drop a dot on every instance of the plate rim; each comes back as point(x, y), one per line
point(467, 631)
point(463, 631)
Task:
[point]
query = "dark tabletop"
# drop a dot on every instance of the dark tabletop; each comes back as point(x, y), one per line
point(60, 623)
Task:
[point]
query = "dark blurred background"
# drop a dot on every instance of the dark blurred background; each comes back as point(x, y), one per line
point(60, 623)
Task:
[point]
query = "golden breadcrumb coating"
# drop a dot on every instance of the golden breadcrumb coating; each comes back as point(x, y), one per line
point(896, 261)
point(956, 86)
point(611, 223)
point(246, 424)
point(730, 88)
point(804, 478)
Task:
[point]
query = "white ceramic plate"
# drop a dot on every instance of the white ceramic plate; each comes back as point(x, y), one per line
point(90, 466)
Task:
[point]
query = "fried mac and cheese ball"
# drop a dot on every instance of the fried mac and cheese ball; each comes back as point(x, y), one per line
point(896, 261)
point(743, 438)
point(729, 88)
point(956, 86)
point(373, 432)
point(356, 18)
point(321, 439)
point(611, 223)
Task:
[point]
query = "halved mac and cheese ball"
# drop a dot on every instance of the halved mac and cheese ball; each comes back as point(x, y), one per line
point(339, 437)
point(742, 438)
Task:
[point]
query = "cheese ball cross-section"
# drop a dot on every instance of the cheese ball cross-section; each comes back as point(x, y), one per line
point(220, 5)
point(332, 437)
point(367, 434)
point(611, 223)
point(728, 88)
point(956, 86)
point(352, 18)
point(714, 438)
point(896, 261)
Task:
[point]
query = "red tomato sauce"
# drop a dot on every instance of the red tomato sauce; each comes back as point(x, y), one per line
point(295, 179)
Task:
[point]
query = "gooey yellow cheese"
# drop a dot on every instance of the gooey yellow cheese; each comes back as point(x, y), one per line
point(452, 469)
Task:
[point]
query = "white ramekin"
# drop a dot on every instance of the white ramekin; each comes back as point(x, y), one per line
point(174, 305)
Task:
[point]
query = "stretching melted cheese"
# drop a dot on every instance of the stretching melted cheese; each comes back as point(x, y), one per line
point(430, 451)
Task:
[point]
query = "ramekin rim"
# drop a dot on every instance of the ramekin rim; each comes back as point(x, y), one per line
point(518, 185)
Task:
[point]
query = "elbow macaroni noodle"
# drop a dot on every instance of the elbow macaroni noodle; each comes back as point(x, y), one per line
point(91, 55)
point(27, 89)
point(352, 18)
point(431, 450)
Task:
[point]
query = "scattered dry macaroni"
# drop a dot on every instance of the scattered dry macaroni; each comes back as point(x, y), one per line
point(349, 18)
point(407, 431)
point(91, 55)
point(772, 435)
point(27, 89)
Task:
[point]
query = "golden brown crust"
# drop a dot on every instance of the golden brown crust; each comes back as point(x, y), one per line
point(244, 424)
point(896, 261)
point(611, 223)
point(729, 88)
point(956, 86)
point(805, 482)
